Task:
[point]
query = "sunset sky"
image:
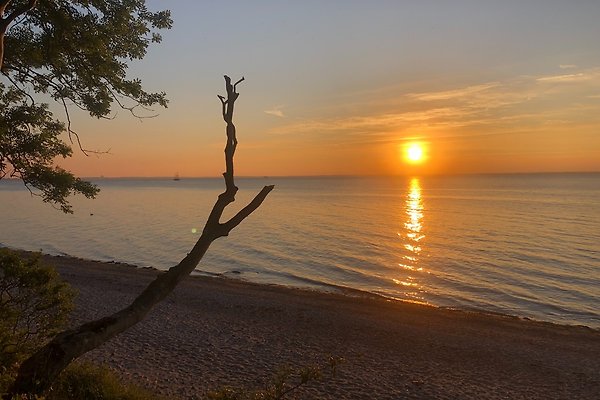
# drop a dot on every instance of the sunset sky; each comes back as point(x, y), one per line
point(343, 87)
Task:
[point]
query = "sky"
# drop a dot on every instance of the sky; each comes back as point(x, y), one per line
point(345, 87)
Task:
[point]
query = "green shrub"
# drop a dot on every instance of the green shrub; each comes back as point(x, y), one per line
point(87, 381)
point(34, 305)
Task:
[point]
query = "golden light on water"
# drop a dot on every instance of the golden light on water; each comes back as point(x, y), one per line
point(414, 210)
point(412, 236)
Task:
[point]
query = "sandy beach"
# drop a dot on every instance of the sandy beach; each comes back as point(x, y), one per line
point(215, 332)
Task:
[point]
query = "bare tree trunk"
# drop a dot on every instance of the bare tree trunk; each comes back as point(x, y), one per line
point(38, 372)
point(1, 47)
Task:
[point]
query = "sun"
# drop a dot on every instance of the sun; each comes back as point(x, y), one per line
point(414, 153)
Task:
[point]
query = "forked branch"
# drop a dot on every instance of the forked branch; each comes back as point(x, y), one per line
point(40, 370)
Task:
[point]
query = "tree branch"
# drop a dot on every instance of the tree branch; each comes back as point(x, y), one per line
point(41, 369)
point(3, 5)
point(246, 211)
point(72, 133)
point(6, 21)
point(235, 84)
point(20, 89)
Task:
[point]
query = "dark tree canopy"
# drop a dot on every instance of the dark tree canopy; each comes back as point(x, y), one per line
point(76, 53)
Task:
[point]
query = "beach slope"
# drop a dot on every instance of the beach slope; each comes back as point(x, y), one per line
point(215, 332)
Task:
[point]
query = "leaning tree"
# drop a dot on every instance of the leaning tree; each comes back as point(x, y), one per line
point(75, 52)
point(40, 370)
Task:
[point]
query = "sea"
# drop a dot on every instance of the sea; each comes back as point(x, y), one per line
point(526, 245)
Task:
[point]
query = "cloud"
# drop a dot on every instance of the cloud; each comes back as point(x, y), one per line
point(373, 123)
point(276, 111)
point(516, 105)
point(564, 78)
point(453, 94)
point(589, 77)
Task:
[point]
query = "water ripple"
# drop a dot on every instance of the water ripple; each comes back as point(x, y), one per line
point(519, 244)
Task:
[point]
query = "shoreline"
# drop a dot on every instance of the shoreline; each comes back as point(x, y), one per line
point(213, 332)
point(319, 287)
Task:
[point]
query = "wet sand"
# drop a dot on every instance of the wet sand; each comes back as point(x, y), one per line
point(215, 332)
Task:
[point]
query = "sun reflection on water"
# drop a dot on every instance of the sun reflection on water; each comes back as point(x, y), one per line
point(411, 237)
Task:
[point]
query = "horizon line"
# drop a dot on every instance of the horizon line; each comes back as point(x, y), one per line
point(181, 177)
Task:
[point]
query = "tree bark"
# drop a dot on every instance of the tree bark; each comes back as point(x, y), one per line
point(38, 372)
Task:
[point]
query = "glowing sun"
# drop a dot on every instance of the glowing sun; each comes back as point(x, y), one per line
point(414, 153)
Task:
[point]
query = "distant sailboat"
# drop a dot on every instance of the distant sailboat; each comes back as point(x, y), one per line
point(176, 178)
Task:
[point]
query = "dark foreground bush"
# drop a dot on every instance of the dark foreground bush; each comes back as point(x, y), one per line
point(34, 305)
point(87, 381)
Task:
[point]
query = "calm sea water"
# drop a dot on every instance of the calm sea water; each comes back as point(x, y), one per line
point(526, 245)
